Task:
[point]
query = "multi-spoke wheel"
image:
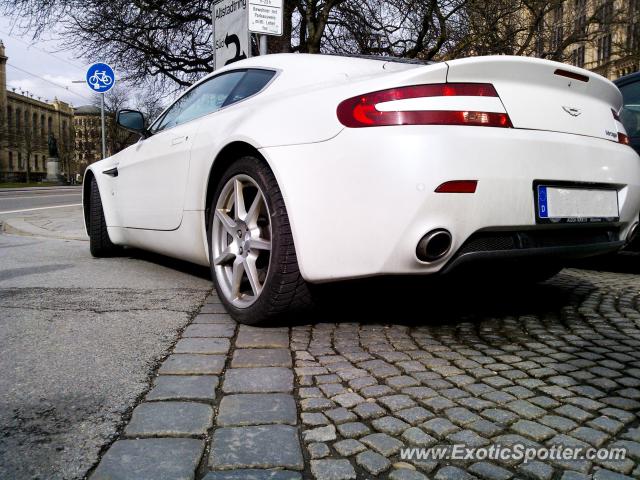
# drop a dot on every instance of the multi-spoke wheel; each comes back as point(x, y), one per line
point(253, 258)
point(241, 241)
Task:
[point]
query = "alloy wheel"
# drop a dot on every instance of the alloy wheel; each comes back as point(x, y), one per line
point(241, 241)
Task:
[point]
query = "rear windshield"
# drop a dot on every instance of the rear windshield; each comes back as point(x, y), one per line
point(630, 115)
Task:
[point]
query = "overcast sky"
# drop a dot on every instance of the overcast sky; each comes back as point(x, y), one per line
point(56, 69)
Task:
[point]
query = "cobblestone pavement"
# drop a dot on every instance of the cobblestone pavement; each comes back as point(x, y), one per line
point(556, 364)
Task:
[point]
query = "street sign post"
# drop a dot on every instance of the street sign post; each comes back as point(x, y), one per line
point(265, 17)
point(230, 31)
point(101, 78)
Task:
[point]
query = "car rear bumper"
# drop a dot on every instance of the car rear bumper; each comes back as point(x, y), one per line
point(360, 202)
point(527, 247)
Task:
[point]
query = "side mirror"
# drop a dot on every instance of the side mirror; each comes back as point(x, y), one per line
point(133, 121)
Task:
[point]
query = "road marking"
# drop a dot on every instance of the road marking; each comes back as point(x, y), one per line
point(41, 196)
point(40, 208)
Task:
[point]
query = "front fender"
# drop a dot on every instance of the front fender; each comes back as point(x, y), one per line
point(106, 187)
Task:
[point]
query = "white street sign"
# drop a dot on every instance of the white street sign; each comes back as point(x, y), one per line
point(230, 31)
point(265, 16)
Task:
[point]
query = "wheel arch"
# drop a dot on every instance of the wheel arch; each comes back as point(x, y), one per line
point(225, 157)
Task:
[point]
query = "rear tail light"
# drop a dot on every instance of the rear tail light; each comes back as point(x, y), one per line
point(361, 111)
point(622, 137)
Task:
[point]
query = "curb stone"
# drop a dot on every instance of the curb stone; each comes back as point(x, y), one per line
point(209, 420)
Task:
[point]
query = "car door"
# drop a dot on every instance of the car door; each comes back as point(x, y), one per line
point(152, 177)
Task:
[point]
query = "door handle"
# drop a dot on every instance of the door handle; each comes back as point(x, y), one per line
point(178, 140)
point(112, 172)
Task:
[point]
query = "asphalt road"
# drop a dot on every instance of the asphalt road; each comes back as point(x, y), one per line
point(79, 338)
point(13, 200)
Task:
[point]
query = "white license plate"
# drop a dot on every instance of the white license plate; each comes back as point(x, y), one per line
point(577, 204)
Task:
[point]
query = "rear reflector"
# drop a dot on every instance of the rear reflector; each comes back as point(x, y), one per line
point(458, 186)
point(622, 138)
point(361, 111)
point(572, 75)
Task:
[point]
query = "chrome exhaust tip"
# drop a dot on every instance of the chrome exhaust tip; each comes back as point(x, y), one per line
point(434, 245)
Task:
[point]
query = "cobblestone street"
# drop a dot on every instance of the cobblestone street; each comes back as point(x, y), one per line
point(554, 364)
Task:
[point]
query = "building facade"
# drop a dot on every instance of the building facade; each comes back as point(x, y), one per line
point(600, 35)
point(88, 136)
point(31, 129)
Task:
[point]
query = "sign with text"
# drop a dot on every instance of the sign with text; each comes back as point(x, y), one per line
point(265, 17)
point(230, 31)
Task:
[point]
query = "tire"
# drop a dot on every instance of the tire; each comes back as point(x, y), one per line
point(99, 242)
point(281, 290)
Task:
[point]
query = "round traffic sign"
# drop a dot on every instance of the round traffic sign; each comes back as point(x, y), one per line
point(100, 77)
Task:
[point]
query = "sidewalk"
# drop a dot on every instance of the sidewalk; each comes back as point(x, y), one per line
point(62, 223)
point(40, 189)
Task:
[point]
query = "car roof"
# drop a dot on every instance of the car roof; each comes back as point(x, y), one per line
point(631, 78)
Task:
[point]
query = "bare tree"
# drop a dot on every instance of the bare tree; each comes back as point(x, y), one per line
point(542, 28)
point(115, 99)
point(166, 42)
point(402, 28)
point(150, 105)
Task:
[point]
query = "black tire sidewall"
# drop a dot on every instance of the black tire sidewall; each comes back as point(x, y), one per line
point(100, 244)
point(265, 179)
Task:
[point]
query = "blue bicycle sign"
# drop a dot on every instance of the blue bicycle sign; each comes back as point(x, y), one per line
point(100, 77)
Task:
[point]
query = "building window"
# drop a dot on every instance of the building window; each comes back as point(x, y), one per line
point(540, 38)
point(11, 161)
point(606, 13)
point(580, 23)
point(577, 57)
point(604, 48)
point(35, 162)
point(42, 131)
point(10, 118)
point(18, 116)
point(20, 166)
point(49, 126)
point(633, 36)
point(558, 30)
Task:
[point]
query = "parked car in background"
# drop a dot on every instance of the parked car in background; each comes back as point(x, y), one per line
point(629, 85)
point(282, 171)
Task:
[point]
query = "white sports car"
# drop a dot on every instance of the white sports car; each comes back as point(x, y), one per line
point(287, 170)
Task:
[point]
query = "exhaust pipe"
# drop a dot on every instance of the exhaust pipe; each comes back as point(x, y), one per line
point(434, 245)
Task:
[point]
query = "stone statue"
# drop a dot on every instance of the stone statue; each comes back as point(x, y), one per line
point(53, 146)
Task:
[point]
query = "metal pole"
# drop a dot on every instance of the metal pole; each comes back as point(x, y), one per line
point(104, 140)
point(263, 44)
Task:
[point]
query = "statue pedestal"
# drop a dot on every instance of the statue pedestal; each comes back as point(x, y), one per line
point(53, 170)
